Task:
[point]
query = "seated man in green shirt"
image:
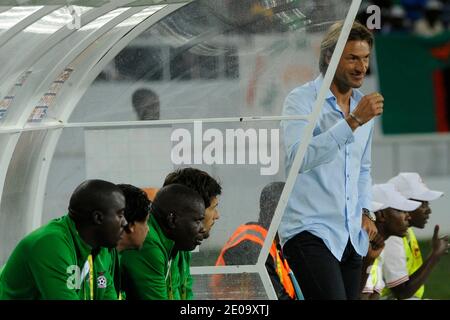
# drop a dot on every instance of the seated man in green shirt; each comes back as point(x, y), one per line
point(161, 269)
point(72, 257)
point(206, 186)
point(137, 212)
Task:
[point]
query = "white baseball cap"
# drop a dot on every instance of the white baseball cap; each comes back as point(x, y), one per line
point(410, 184)
point(375, 206)
point(389, 196)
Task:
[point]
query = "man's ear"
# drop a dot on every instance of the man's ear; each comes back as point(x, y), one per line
point(171, 219)
point(130, 227)
point(328, 57)
point(97, 217)
point(381, 215)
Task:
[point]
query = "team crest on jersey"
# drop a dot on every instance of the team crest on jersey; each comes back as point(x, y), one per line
point(101, 281)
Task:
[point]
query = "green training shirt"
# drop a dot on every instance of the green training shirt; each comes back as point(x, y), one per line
point(151, 273)
point(48, 264)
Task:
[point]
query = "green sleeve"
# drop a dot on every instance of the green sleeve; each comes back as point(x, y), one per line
point(144, 274)
point(51, 261)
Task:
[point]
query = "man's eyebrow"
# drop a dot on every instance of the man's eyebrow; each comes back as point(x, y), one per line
point(356, 56)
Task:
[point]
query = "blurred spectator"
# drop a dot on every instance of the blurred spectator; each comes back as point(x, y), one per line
point(446, 13)
point(413, 8)
point(430, 24)
point(396, 21)
point(146, 104)
point(383, 4)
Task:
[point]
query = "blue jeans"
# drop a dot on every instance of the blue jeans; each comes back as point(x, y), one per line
point(320, 275)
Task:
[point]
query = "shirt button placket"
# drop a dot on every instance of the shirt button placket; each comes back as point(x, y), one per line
point(347, 160)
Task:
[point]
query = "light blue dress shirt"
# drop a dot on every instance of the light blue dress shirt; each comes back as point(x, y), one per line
point(334, 182)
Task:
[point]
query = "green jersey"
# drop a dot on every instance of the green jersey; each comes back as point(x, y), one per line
point(157, 271)
point(53, 262)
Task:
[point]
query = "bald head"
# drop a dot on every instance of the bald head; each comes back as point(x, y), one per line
point(177, 198)
point(180, 212)
point(97, 207)
point(92, 195)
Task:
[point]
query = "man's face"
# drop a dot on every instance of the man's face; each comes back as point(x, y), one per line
point(419, 217)
point(353, 65)
point(140, 233)
point(149, 109)
point(114, 221)
point(211, 215)
point(189, 229)
point(397, 222)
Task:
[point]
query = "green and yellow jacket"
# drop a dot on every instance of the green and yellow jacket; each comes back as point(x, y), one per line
point(158, 271)
point(53, 262)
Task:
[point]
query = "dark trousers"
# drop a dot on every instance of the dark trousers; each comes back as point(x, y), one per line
point(320, 275)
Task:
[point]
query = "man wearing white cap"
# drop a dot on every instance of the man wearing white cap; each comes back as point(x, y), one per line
point(392, 219)
point(402, 255)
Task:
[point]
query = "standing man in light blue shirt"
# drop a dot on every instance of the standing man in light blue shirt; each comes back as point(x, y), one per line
point(324, 231)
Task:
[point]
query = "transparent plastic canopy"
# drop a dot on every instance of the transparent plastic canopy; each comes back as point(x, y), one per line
point(215, 73)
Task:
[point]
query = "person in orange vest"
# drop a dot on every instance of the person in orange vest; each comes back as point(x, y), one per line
point(244, 246)
point(151, 193)
point(137, 212)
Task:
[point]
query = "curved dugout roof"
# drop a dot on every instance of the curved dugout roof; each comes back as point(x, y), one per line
point(69, 68)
